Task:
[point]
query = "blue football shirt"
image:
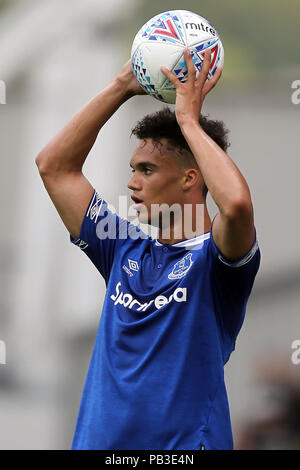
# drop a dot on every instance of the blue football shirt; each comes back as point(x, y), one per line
point(169, 323)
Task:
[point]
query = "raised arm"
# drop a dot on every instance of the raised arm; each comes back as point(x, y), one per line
point(233, 227)
point(60, 162)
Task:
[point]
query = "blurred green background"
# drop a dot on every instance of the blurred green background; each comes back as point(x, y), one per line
point(261, 38)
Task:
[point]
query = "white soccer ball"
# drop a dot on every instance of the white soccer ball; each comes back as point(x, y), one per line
point(162, 40)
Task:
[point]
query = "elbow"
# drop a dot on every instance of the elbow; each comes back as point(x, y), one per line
point(40, 163)
point(240, 208)
point(43, 164)
point(50, 163)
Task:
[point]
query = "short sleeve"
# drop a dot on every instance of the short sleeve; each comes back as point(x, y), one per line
point(245, 260)
point(100, 230)
point(232, 283)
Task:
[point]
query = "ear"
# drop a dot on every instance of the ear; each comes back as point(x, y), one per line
point(191, 178)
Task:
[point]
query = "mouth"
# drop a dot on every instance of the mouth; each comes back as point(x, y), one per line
point(135, 199)
point(138, 202)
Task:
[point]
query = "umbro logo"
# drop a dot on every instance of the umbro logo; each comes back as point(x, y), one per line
point(81, 243)
point(133, 266)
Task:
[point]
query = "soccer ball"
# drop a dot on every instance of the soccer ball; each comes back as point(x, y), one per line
point(162, 40)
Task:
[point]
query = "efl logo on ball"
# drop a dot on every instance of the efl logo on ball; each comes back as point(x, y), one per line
point(162, 40)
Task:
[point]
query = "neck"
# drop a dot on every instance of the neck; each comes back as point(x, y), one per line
point(194, 222)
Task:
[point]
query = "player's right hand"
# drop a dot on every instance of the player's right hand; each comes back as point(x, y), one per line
point(127, 79)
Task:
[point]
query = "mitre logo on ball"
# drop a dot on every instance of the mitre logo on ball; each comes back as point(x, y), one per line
point(162, 40)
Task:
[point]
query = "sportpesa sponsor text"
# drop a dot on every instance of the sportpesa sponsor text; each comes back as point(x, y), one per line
point(128, 301)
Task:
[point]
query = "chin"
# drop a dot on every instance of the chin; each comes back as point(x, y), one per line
point(143, 217)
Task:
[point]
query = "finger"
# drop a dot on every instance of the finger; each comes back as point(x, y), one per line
point(205, 69)
point(210, 84)
point(170, 75)
point(190, 65)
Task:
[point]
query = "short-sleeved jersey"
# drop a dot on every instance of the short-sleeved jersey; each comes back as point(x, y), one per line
point(169, 323)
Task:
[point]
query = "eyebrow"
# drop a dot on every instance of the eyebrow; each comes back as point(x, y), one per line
point(143, 164)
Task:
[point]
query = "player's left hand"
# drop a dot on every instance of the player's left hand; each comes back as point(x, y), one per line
point(190, 95)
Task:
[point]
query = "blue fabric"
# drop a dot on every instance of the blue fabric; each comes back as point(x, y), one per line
point(169, 323)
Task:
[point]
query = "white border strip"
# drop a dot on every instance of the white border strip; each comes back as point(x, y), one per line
point(190, 242)
point(244, 260)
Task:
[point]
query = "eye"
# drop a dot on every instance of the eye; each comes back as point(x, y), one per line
point(146, 171)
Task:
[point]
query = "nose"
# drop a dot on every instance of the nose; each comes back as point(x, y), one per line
point(134, 183)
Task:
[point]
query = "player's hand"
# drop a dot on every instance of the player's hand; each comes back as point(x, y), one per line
point(190, 95)
point(127, 80)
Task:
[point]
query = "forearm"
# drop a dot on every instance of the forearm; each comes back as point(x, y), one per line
point(223, 179)
point(67, 151)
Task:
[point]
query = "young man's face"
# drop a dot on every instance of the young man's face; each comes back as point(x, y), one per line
point(156, 180)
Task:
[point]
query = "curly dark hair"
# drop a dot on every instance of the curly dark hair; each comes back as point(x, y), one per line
point(163, 124)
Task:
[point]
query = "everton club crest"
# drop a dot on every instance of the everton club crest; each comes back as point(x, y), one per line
point(181, 267)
